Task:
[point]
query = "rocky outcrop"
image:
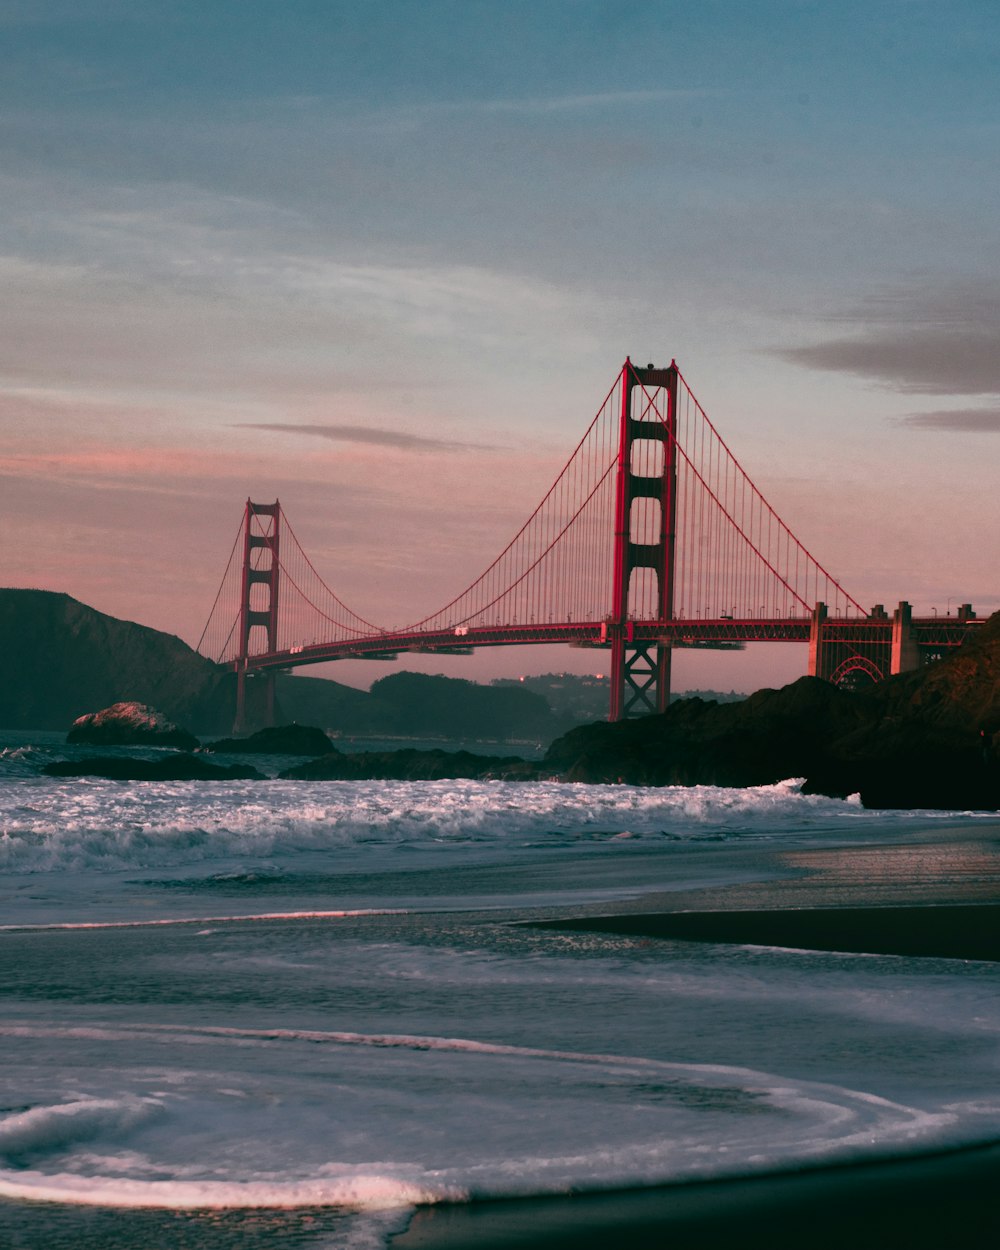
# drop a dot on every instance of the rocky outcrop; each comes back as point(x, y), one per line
point(411, 765)
point(279, 740)
point(929, 738)
point(770, 736)
point(130, 724)
point(167, 768)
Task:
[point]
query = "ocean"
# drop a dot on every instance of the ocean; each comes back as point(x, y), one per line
point(292, 1014)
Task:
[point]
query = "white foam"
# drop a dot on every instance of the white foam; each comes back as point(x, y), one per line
point(52, 1127)
point(249, 918)
point(106, 826)
point(491, 1137)
point(413, 1061)
point(367, 1192)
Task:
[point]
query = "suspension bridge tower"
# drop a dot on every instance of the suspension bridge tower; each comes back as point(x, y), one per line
point(646, 470)
point(258, 607)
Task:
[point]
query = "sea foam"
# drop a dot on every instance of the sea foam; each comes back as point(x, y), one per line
point(107, 826)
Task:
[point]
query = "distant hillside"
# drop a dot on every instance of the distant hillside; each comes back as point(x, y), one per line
point(321, 702)
point(60, 659)
point(419, 705)
point(578, 698)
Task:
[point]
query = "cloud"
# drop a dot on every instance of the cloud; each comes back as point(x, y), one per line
point(943, 342)
point(583, 101)
point(204, 297)
point(962, 420)
point(397, 439)
point(923, 360)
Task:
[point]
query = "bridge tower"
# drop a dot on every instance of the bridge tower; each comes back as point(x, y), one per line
point(640, 671)
point(261, 533)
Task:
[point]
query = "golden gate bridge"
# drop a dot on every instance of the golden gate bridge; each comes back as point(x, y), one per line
point(651, 538)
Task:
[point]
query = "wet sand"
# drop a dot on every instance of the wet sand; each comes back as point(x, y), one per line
point(925, 1204)
point(936, 899)
point(944, 931)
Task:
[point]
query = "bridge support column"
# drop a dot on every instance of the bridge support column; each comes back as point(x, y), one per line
point(240, 719)
point(269, 706)
point(905, 651)
point(820, 664)
point(640, 669)
point(261, 533)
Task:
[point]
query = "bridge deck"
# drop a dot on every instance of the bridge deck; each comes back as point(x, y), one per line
point(932, 633)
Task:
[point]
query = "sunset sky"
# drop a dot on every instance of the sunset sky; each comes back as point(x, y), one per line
point(383, 260)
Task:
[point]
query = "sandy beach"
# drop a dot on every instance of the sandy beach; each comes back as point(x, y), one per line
point(922, 1204)
point(935, 898)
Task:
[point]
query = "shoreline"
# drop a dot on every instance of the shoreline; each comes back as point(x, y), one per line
point(941, 881)
point(921, 1203)
point(967, 931)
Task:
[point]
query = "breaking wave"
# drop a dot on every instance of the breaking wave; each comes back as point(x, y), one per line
point(105, 825)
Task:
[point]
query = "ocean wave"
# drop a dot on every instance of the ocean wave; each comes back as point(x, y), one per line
point(42, 1130)
point(623, 1121)
point(365, 1191)
point(109, 826)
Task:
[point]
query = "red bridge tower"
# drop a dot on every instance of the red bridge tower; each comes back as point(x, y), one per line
point(640, 671)
point(261, 532)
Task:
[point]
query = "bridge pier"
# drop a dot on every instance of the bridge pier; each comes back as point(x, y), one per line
point(905, 651)
point(821, 662)
point(640, 676)
point(254, 714)
point(240, 719)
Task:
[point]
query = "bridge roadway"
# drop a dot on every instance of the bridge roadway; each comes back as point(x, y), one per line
point(929, 634)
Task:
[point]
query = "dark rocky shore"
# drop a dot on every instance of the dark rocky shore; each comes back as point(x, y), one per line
point(410, 764)
point(929, 738)
point(175, 767)
point(923, 739)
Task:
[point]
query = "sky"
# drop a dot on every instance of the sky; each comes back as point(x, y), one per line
point(383, 261)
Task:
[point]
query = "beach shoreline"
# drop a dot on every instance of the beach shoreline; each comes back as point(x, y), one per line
point(922, 908)
point(926, 893)
point(928, 930)
point(920, 1203)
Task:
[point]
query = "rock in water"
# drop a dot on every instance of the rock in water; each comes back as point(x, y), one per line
point(280, 740)
point(410, 765)
point(167, 768)
point(130, 724)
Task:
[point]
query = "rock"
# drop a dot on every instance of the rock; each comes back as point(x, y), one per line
point(928, 738)
point(410, 765)
point(130, 724)
point(280, 740)
point(167, 768)
point(770, 736)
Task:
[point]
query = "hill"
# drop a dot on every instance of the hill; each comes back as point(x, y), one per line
point(577, 698)
point(60, 659)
